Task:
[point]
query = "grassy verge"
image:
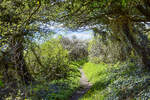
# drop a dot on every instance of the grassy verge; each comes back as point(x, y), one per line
point(122, 81)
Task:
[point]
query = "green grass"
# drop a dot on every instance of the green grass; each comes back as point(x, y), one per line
point(122, 81)
point(97, 74)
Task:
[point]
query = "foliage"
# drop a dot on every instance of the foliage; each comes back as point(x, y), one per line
point(120, 81)
point(104, 48)
point(55, 90)
point(49, 61)
point(89, 13)
point(56, 76)
point(15, 18)
point(1, 84)
point(48, 90)
point(120, 17)
point(77, 48)
point(119, 26)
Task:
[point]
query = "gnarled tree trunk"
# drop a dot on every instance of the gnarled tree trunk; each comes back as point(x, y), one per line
point(17, 48)
point(141, 51)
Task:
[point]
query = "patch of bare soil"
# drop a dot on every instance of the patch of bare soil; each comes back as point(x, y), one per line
point(84, 87)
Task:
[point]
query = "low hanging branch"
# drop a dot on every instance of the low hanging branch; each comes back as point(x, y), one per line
point(37, 58)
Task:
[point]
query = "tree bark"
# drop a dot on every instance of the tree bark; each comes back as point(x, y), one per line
point(18, 59)
point(141, 51)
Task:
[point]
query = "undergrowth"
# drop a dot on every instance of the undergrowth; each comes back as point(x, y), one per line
point(60, 89)
point(57, 89)
point(121, 81)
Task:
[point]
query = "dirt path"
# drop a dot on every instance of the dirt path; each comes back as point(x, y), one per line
point(84, 87)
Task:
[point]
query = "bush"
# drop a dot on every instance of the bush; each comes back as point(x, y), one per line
point(49, 61)
point(56, 89)
point(108, 49)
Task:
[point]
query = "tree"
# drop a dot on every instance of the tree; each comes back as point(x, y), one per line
point(120, 16)
point(15, 19)
point(78, 49)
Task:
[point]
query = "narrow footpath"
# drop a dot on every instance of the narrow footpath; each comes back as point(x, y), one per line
point(84, 87)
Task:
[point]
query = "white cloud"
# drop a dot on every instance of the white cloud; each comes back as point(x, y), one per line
point(80, 35)
point(61, 30)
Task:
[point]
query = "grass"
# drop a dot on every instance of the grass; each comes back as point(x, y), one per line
point(122, 81)
point(97, 74)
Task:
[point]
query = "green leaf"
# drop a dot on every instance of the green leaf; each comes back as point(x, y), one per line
point(124, 3)
point(1, 84)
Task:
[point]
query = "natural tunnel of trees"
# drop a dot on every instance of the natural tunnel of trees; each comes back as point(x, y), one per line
point(120, 32)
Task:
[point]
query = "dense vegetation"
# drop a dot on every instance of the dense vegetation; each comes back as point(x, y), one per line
point(36, 66)
point(122, 81)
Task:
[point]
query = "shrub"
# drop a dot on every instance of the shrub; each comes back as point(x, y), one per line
point(108, 49)
point(49, 61)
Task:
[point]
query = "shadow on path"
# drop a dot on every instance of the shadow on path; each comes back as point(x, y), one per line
point(84, 87)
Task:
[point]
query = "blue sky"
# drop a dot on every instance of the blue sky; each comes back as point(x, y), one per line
point(60, 30)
